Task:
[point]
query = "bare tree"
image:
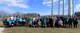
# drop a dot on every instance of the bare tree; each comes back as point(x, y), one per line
point(32, 15)
point(17, 14)
point(3, 14)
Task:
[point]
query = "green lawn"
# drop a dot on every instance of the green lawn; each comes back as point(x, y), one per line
point(1, 23)
point(41, 30)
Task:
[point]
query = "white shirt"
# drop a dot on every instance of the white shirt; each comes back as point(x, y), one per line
point(12, 18)
point(60, 22)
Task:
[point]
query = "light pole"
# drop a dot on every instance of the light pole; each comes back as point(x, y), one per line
point(69, 8)
point(73, 7)
point(52, 9)
point(63, 8)
point(58, 7)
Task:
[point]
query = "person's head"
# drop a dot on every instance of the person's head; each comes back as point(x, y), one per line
point(9, 18)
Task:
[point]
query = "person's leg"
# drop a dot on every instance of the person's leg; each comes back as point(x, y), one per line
point(28, 23)
point(12, 24)
point(48, 24)
point(63, 24)
point(35, 24)
point(21, 23)
point(45, 24)
point(69, 25)
point(31, 24)
point(18, 23)
point(57, 25)
point(41, 24)
point(24, 23)
point(53, 24)
point(15, 23)
point(74, 25)
point(7, 24)
point(4, 24)
point(38, 25)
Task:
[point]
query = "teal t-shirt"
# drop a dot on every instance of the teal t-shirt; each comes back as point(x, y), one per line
point(11, 21)
point(4, 20)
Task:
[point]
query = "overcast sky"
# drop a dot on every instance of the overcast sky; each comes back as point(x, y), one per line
point(42, 7)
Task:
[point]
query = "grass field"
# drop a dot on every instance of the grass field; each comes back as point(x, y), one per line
point(41, 30)
point(1, 24)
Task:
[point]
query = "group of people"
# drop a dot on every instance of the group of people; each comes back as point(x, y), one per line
point(58, 22)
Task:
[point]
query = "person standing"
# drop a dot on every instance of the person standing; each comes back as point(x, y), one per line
point(45, 22)
point(23, 21)
point(39, 23)
point(35, 22)
point(75, 22)
point(53, 21)
point(4, 22)
point(70, 22)
point(42, 21)
point(30, 22)
point(66, 22)
point(8, 21)
point(56, 22)
point(11, 22)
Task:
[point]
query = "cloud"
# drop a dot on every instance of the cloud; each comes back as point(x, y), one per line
point(8, 10)
point(14, 3)
point(77, 8)
point(61, 2)
point(19, 5)
point(48, 2)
